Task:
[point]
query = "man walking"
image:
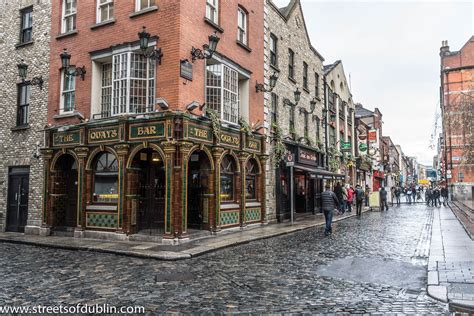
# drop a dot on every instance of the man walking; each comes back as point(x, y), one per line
point(340, 197)
point(359, 196)
point(367, 194)
point(397, 195)
point(444, 195)
point(329, 203)
point(436, 198)
point(383, 199)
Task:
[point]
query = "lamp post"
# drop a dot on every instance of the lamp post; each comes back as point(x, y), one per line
point(272, 84)
point(71, 70)
point(149, 52)
point(23, 73)
point(207, 49)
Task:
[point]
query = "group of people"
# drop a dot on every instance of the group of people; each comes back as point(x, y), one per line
point(432, 195)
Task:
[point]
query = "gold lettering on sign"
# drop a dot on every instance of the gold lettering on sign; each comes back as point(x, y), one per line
point(229, 139)
point(200, 132)
point(107, 134)
point(253, 145)
point(146, 130)
point(65, 138)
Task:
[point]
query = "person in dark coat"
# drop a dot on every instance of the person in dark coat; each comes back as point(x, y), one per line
point(444, 195)
point(398, 192)
point(359, 197)
point(436, 195)
point(383, 199)
point(340, 196)
point(329, 203)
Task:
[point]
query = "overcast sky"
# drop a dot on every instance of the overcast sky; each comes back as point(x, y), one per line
point(391, 50)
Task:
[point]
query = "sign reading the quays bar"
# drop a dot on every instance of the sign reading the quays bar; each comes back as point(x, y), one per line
point(230, 140)
point(104, 134)
point(199, 133)
point(146, 131)
point(253, 144)
point(67, 138)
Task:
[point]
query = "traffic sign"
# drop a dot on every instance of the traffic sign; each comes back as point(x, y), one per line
point(290, 160)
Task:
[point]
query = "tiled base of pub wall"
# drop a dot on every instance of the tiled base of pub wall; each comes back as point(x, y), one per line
point(253, 215)
point(230, 218)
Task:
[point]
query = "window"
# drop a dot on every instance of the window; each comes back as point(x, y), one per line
point(305, 75)
point(292, 121)
point(105, 10)
point(332, 136)
point(227, 178)
point(222, 91)
point(26, 25)
point(69, 16)
point(106, 91)
point(251, 183)
point(24, 92)
point(291, 64)
point(316, 84)
point(274, 105)
point(212, 12)
point(144, 4)
point(318, 124)
point(306, 124)
point(106, 178)
point(242, 26)
point(68, 93)
point(273, 50)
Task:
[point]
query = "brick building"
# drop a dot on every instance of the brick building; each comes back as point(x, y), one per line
point(457, 108)
point(156, 138)
point(24, 39)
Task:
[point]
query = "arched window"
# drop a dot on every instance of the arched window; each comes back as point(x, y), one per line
point(106, 178)
point(227, 179)
point(251, 180)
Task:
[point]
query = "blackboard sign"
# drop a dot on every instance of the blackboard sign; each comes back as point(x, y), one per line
point(186, 70)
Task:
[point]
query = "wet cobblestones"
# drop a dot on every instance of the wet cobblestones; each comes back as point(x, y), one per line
point(269, 276)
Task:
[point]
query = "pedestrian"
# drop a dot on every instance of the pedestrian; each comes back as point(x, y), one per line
point(436, 197)
point(350, 197)
point(329, 204)
point(392, 193)
point(444, 195)
point(367, 194)
point(398, 191)
point(383, 199)
point(408, 193)
point(429, 197)
point(359, 197)
point(340, 197)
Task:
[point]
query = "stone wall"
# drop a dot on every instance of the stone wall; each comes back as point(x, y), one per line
point(18, 146)
point(290, 30)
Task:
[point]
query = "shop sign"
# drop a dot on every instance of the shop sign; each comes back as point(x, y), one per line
point(307, 156)
point(186, 70)
point(67, 138)
point(253, 144)
point(145, 131)
point(363, 147)
point(372, 135)
point(345, 146)
point(199, 133)
point(98, 135)
point(230, 140)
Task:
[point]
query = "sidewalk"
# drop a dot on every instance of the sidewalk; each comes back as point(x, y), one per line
point(451, 262)
point(187, 250)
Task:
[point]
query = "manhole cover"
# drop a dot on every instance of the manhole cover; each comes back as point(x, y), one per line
point(174, 276)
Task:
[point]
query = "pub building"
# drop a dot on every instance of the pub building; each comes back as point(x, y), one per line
point(146, 137)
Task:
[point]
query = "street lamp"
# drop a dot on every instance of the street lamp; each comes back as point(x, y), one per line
point(152, 53)
point(71, 70)
point(207, 50)
point(23, 73)
point(272, 84)
point(297, 94)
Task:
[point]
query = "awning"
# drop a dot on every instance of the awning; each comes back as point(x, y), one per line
point(322, 174)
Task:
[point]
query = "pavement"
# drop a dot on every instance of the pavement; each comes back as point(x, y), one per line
point(193, 248)
point(375, 264)
point(451, 262)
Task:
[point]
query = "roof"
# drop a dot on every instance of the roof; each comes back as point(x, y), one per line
point(360, 111)
point(330, 67)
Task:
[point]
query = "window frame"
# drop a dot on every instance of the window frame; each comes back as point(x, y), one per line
point(65, 16)
point(253, 177)
point(291, 64)
point(138, 5)
point(63, 92)
point(316, 84)
point(242, 30)
point(23, 12)
point(100, 7)
point(228, 174)
point(291, 121)
point(213, 8)
point(20, 106)
point(274, 107)
point(273, 50)
point(104, 174)
point(318, 128)
point(305, 75)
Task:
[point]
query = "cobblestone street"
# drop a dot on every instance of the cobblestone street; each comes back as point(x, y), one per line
point(377, 264)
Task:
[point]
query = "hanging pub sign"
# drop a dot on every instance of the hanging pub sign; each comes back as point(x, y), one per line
point(372, 135)
point(307, 156)
point(186, 70)
point(363, 147)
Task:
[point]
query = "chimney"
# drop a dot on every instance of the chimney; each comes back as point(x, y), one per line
point(444, 50)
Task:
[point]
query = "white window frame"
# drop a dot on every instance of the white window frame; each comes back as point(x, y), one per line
point(104, 6)
point(66, 17)
point(212, 6)
point(242, 25)
point(64, 92)
point(138, 5)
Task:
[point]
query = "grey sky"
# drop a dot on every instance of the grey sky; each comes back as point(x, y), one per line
point(391, 50)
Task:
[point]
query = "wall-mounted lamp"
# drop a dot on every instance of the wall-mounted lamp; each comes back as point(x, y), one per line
point(23, 73)
point(69, 69)
point(149, 52)
point(207, 50)
point(272, 84)
point(194, 105)
point(296, 95)
point(36, 152)
point(162, 103)
point(313, 107)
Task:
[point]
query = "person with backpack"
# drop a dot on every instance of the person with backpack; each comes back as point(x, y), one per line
point(359, 197)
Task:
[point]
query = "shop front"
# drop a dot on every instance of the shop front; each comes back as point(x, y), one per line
point(168, 174)
point(363, 169)
point(378, 180)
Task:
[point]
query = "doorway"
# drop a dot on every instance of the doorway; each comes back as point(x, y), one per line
point(18, 191)
point(300, 191)
point(152, 192)
point(64, 195)
point(199, 170)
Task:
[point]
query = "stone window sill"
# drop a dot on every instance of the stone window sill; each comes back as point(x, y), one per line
point(275, 67)
point(20, 45)
point(244, 46)
point(144, 11)
point(71, 33)
point(292, 79)
point(230, 206)
point(100, 24)
point(214, 25)
point(68, 114)
point(20, 128)
point(306, 90)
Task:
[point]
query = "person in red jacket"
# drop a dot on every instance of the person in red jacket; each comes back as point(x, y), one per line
point(350, 197)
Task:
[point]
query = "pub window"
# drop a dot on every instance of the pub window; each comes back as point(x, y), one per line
point(144, 4)
point(291, 64)
point(228, 169)
point(274, 108)
point(106, 178)
point(68, 92)
point(24, 92)
point(316, 84)
point(251, 180)
point(212, 10)
point(273, 50)
point(106, 90)
point(242, 26)
point(69, 16)
point(105, 10)
point(305, 75)
point(26, 25)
